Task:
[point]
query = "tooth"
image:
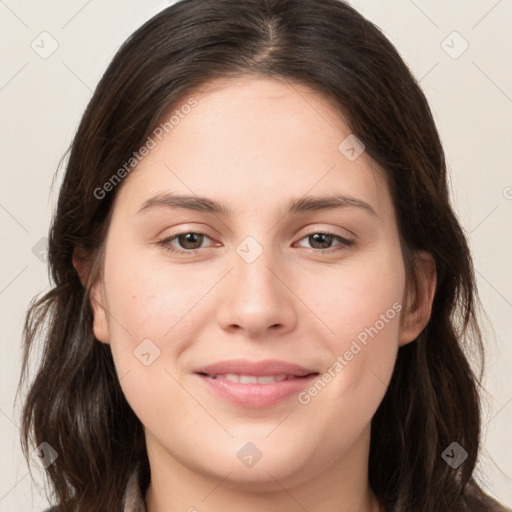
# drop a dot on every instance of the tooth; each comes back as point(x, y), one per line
point(266, 380)
point(251, 379)
point(248, 379)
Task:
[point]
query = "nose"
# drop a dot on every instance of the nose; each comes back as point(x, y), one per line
point(257, 298)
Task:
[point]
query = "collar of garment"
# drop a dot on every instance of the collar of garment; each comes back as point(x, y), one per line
point(133, 500)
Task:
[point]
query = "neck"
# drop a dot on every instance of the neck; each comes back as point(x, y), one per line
point(342, 486)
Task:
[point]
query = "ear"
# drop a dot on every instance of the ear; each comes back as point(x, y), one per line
point(419, 298)
point(96, 296)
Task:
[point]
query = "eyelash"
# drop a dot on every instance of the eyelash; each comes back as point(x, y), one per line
point(165, 243)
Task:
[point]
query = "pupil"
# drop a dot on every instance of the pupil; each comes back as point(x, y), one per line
point(317, 237)
point(190, 238)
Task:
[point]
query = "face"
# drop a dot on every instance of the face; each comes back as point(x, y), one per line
point(316, 287)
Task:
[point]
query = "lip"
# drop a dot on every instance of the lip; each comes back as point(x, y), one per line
point(258, 368)
point(256, 395)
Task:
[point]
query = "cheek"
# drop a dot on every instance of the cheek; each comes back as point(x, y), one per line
point(138, 312)
point(147, 335)
point(356, 296)
point(361, 305)
point(353, 383)
point(149, 300)
point(363, 353)
point(155, 313)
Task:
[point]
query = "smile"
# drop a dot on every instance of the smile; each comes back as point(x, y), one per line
point(255, 392)
point(252, 379)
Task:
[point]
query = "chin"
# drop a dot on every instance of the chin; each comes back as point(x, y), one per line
point(256, 465)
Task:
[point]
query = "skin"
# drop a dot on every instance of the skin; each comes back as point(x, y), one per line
point(255, 144)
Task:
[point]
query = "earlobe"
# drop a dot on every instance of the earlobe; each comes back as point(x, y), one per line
point(419, 299)
point(100, 325)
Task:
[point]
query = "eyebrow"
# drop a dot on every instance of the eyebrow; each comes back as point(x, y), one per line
point(204, 204)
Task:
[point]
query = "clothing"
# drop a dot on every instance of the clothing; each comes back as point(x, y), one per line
point(133, 500)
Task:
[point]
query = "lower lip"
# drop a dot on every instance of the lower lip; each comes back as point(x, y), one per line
point(257, 396)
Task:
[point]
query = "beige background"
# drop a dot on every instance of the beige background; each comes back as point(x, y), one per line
point(42, 99)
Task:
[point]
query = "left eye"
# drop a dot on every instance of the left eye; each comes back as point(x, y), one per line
point(191, 241)
point(323, 238)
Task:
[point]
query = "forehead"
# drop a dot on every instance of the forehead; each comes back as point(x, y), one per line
point(255, 138)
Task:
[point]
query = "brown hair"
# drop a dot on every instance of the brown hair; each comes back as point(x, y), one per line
point(75, 402)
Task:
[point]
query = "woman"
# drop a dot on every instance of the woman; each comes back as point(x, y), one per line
point(262, 293)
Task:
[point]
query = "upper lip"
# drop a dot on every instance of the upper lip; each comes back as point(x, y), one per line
point(262, 368)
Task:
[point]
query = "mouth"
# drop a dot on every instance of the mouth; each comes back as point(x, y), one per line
point(254, 379)
point(255, 384)
point(247, 368)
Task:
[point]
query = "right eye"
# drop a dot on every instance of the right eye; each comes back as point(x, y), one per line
point(191, 241)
